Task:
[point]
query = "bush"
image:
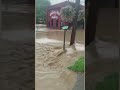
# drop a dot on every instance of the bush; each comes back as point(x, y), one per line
point(78, 66)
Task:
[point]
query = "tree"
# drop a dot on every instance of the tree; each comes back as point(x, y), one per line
point(81, 15)
point(67, 13)
point(72, 15)
point(41, 7)
point(81, 19)
point(77, 6)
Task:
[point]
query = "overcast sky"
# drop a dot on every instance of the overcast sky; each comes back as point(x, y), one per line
point(58, 1)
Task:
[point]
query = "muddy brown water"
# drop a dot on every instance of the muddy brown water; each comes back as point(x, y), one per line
point(51, 71)
point(98, 56)
point(59, 35)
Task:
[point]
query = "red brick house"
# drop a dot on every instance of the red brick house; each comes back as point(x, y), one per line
point(53, 14)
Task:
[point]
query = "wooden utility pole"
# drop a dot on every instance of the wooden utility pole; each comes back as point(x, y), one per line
point(73, 34)
point(64, 40)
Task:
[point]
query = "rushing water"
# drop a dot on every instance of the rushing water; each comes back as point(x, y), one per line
point(51, 70)
point(59, 35)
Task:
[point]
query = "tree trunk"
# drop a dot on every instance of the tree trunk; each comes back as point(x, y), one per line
point(73, 34)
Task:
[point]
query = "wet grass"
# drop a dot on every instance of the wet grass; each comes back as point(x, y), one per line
point(109, 83)
point(78, 66)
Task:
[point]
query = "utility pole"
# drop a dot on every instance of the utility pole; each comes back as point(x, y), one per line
point(73, 34)
point(64, 40)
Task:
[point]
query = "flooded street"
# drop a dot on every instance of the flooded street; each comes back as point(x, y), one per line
point(59, 35)
point(51, 68)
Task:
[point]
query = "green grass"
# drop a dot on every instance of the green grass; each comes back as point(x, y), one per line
point(78, 66)
point(109, 83)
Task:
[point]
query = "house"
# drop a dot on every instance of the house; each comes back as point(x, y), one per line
point(53, 14)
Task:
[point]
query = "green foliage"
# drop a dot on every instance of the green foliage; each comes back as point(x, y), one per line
point(67, 13)
point(41, 7)
point(109, 83)
point(81, 16)
point(78, 66)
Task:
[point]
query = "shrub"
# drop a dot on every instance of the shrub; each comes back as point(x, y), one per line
point(78, 66)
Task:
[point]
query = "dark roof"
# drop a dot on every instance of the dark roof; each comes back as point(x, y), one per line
point(62, 4)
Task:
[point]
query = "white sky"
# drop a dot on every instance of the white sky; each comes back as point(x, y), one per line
point(58, 1)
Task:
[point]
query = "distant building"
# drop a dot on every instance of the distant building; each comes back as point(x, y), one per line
point(53, 14)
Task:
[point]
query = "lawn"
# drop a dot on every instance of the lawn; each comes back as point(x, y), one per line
point(78, 66)
point(110, 82)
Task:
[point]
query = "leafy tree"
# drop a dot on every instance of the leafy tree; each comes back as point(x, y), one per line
point(41, 7)
point(81, 16)
point(70, 14)
point(67, 13)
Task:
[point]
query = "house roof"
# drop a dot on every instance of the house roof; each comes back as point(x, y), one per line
point(62, 4)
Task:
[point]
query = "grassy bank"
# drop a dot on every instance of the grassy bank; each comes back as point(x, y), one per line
point(78, 66)
point(110, 82)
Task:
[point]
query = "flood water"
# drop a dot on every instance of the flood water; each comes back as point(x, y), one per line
point(42, 31)
point(51, 70)
point(102, 59)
